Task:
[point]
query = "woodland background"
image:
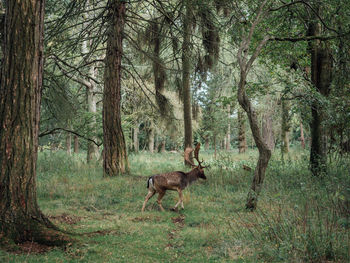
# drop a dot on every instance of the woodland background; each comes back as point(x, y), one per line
point(98, 95)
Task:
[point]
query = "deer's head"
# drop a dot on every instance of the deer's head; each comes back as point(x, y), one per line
point(198, 168)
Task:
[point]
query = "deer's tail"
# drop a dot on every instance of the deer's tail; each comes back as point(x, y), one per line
point(150, 181)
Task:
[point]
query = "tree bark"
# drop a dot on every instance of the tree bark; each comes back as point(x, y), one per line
point(285, 125)
point(186, 79)
point(206, 142)
point(302, 138)
point(162, 149)
point(21, 82)
point(267, 130)
point(76, 144)
point(228, 133)
point(136, 138)
point(321, 77)
point(151, 139)
point(69, 143)
point(115, 156)
point(92, 151)
point(242, 141)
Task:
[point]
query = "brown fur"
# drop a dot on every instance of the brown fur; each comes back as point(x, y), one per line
point(175, 181)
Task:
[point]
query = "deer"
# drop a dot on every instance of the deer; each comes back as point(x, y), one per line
point(175, 181)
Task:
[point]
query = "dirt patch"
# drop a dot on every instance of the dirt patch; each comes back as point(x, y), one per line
point(32, 248)
point(179, 220)
point(65, 218)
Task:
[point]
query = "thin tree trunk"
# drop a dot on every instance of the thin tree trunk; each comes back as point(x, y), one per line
point(20, 96)
point(136, 138)
point(214, 142)
point(242, 141)
point(285, 126)
point(115, 156)
point(228, 133)
point(151, 139)
point(186, 78)
point(206, 145)
point(69, 143)
point(245, 64)
point(76, 144)
point(162, 150)
point(302, 138)
point(92, 149)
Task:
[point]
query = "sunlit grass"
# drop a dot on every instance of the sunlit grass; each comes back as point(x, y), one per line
point(299, 219)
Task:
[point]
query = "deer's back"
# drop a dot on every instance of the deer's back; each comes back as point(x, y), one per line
point(170, 181)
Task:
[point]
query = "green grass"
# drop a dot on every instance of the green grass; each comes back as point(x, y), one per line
point(299, 219)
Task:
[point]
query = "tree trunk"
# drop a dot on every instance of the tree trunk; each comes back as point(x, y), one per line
point(115, 156)
point(267, 131)
point(228, 133)
point(69, 143)
point(20, 96)
point(264, 150)
point(242, 141)
point(136, 138)
point(245, 64)
point(206, 145)
point(76, 144)
point(214, 142)
point(321, 77)
point(162, 149)
point(186, 79)
point(285, 125)
point(302, 138)
point(151, 139)
point(92, 151)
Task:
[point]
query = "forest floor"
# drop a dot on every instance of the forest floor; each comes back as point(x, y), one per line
point(299, 218)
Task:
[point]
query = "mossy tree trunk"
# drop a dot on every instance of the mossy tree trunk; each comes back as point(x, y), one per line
point(321, 77)
point(115, 155)
point(21, 81)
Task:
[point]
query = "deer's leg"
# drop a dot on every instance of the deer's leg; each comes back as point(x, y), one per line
point(159, 200)
point(148, 196)
point(180, 199)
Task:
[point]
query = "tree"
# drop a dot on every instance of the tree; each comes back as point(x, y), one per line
point(21, 82)
point(186, 88)
point(115, 155)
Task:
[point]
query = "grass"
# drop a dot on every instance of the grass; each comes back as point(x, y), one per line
point(299, 219)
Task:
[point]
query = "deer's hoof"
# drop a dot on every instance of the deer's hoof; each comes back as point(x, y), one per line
point(173, 209)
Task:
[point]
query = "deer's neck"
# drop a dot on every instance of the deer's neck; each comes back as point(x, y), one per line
point(192, 176)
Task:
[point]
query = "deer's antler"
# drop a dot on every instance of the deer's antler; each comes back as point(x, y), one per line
point(187, 153)
point(196, 151)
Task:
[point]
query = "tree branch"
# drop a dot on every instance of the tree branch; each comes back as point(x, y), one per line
point(53, 131)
